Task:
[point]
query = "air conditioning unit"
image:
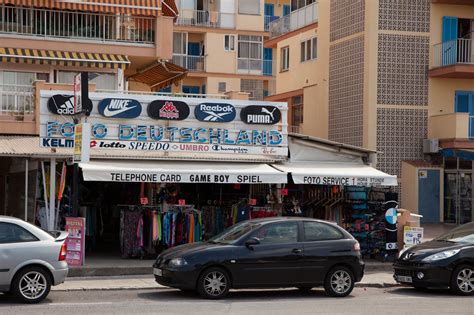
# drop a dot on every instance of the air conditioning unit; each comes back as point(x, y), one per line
point(431, 146)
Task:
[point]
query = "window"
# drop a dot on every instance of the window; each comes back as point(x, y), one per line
point(249, 7)
point(250, 51)
point(180, 43)
point(298, 4)
point(16, 89)
point(222, 87)
point(285, 58)
point(296, 112)
point(103, 81)
point(229, 42)
point(308, 49)
point(12, 233)
point(278, 233)
point(316, 231)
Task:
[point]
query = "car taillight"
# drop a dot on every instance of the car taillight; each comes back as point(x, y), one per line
point(63, 252)
point(356, 246)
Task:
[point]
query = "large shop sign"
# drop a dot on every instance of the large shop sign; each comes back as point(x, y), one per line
point(166, 125)
point(338, 180)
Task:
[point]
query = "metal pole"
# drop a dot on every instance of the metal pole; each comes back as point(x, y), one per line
point(26, 189)
point(43, 173)
point(52, 193)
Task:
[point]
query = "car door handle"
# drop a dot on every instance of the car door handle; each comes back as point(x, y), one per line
point(296, 251)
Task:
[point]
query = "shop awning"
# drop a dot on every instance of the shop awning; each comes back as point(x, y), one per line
point(63, 58)
point(181, 172)
point(160, 74)
point(133, 7)
point(344, 174)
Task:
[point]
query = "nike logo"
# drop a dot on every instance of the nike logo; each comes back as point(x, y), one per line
point(111, 113)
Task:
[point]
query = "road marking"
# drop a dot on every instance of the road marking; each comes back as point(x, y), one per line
point(78, 304)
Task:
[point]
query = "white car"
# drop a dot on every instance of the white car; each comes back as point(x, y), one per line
point(31, 260)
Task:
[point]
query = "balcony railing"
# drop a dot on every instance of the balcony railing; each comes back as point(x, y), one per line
point(192, 63)
point(459, 51)
point(267, 19)
point(16, 100)
point(250, 66)
point(170, 94)
point(295, 20)
point(202, 18)
point(77, 25)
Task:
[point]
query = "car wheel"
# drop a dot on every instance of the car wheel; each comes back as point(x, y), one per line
point(462, 281)
point(339, 282)
point(31, 285)
point(214, 283)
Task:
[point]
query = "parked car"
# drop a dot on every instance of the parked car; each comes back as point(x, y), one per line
point(31, 260)
point(445, 262)
point(266, 253)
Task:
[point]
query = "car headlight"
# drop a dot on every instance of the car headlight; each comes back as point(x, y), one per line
point(403, 250)
point(178, 262)
point(441, 255)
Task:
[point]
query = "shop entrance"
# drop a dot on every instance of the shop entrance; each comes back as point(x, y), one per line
point(458, 206)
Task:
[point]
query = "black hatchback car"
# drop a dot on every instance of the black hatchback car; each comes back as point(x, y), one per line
point(266, 253)
point(445, 262)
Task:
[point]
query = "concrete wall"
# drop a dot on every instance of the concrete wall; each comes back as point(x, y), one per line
point(442, 93)
point(250, 22)
point(217, 59)
point(448, 126)
point(232, 84)
point(300, 74)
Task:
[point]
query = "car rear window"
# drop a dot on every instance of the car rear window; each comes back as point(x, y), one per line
point(317, 231)
point(12, 233)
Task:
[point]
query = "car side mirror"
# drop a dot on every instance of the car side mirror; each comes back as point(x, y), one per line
point(251, 242)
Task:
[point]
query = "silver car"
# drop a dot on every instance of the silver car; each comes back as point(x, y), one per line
point(31, 260)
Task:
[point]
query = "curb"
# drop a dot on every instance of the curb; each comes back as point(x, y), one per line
point(357, 285)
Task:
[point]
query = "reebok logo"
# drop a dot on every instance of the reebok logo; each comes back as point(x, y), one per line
point(215, 112)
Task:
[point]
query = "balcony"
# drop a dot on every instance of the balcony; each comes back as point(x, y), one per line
point(17, 109)
point(200, 18)
point(451, 126)
point(460, 2)
point(295, 20)
point(267, 19)
point(453, 59)
point(192, 63)
point(97, 27)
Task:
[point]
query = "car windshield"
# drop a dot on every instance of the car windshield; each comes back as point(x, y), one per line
point(234, 233)
point(461, 234)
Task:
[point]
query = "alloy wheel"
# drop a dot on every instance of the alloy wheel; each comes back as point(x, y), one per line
point(341, 281)
point(465, 280)
point(215, 283)
point(32, 285)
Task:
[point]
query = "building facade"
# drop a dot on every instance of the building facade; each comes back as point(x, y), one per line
point(220, 42)
point(385, 75)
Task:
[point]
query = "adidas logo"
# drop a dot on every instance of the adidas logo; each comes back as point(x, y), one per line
point(67, 108)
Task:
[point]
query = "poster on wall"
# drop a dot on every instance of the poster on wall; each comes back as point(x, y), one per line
point(412, 236)
point(75, 243)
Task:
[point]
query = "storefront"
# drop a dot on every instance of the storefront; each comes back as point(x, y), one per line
point(166, 171)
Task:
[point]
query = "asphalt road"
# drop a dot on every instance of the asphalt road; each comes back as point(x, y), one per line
point(166, 301)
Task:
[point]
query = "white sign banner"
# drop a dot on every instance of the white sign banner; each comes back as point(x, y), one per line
point(412, 236)
point(344, 180)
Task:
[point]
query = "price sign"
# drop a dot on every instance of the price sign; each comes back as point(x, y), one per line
point(182, 202)
point(284, 192)
point(252, 202)
point(144, 201)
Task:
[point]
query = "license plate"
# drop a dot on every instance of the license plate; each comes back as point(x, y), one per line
point(158, 272)
point(404, 279)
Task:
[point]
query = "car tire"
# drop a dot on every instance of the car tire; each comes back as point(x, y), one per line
point(339, 282)
point(31, 285)
point(461, 280)
point(214, 283)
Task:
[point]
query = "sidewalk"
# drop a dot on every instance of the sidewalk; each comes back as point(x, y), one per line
point(379, 280)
